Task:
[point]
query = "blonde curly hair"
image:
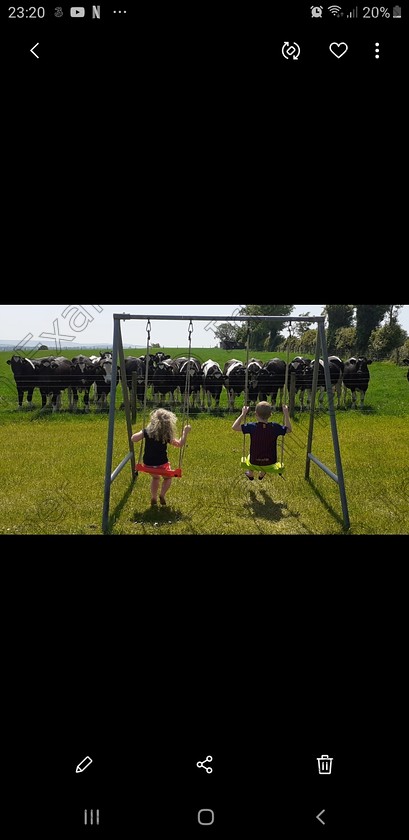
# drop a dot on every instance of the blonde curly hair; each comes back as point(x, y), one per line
point(162, 426)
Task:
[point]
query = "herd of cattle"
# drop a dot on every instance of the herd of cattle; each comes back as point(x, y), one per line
point(172, 379)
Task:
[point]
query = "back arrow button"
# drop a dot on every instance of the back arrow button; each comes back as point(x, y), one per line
point(318, 817)
point(33, 48)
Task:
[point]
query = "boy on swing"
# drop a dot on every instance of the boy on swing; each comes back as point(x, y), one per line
point(263, 436)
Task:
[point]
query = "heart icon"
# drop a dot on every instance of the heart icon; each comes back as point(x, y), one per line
point(338, 49)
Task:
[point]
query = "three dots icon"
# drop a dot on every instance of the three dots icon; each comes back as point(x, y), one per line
point(377, 49)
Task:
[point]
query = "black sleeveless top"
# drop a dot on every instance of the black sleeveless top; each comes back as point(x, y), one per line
point(155, 453)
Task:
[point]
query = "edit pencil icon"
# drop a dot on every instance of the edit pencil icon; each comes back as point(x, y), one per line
point(83, 764)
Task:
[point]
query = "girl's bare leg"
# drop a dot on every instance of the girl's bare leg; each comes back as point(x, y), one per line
point(154, 488)
point(165, 487)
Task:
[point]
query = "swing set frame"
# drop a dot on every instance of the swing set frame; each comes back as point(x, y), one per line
point(118, 356)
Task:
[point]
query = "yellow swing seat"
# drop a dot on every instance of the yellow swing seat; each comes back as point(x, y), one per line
point(277, 468)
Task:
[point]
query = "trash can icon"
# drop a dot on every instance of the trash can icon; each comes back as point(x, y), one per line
point(324, 765)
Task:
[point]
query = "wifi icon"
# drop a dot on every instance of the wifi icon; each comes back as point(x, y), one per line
point(335, 10)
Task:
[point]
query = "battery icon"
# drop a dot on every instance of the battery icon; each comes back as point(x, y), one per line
point(397, 11)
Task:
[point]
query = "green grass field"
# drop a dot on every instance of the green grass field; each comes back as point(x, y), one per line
point(52, 469)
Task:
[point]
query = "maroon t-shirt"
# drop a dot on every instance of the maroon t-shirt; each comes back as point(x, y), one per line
point(263, 443)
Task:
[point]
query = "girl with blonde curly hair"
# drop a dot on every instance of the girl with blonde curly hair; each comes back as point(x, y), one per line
point(160, 431)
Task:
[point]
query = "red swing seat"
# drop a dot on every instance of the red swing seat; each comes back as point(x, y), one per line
point(165, 470)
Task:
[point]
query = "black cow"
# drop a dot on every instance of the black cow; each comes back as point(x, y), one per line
point(25, 376)
point(43, 374)
point(189, 378)
point(60, 378)
point(253, 368)
point(299, 366)
point(133, 364)
point(234, 380)
point(212, 383)
point(165, 380)
point(336, 368)
point(406, 362)
point(356, 378)
point(272, 380)
point(83, 376)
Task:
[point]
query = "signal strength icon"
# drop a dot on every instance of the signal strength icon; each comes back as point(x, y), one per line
point(335, 10)
point(354, 13)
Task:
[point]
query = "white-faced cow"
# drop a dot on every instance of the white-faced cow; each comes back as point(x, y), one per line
point(24, 372)
point(103, 378)
point(212, 383)
point(356, 378)
point(234, 380)
point(272, 380)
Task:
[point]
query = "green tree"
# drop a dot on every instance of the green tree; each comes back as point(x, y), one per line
point(227, 332)
point(368, 318)
point(308, 342)
point(345, 341)
point(300, 327)
point(339, 316)
point(265, 332)
point(386, 339)
point(392, 312)
point(403, 352)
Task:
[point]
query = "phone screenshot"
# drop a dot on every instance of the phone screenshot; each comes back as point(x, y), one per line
point(174, 152)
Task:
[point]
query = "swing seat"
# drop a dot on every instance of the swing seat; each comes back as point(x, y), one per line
point(277, 468)
point(167, 472)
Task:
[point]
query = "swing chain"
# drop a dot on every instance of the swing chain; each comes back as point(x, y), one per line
point(187, 392)
point(148, 330)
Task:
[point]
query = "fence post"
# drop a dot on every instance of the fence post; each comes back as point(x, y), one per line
point(133, 396)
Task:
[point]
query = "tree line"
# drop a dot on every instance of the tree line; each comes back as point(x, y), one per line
point(351, 329)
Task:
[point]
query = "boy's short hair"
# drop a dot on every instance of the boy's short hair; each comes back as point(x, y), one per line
point(263, 410)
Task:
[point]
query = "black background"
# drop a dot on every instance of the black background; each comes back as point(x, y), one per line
point(175, 154)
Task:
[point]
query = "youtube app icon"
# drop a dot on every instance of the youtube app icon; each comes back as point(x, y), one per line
point(77, 11)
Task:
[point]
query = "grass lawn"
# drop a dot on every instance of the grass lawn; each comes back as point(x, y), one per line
point(52, 470)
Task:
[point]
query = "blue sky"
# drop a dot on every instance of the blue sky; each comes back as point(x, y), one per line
point(18, 321)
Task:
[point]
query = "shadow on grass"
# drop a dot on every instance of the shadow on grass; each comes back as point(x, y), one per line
point(118, 510)
point(266, 508)
point(335, 515)
point(158, 516)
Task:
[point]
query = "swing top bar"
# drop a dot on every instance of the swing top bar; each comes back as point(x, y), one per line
point(283, 318)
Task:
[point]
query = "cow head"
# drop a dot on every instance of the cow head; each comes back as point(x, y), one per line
point(16, 362)
point(81, 363)
point(362, 362)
